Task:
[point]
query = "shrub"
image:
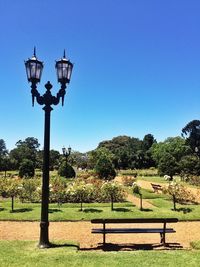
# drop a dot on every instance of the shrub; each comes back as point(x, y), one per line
point(80, 192)
point(66, 170)
point(113, 192)
point(28, 190)
point(178, 193)
point(26, 169)
point(57, 190)
point(137, 190)
point(104, 168)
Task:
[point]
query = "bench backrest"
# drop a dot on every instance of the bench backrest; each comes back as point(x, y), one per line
point(136, 220)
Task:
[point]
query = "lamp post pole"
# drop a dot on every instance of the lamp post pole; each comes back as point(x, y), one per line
point(34, 70)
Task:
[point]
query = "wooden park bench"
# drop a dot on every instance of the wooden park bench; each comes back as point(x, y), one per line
point(156, 188)
point(134, 230)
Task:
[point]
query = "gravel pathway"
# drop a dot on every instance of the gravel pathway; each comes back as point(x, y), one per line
point(81, 233)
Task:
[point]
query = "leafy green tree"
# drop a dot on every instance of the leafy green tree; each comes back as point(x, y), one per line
point(3, 153)
point(103, 165)
point(7, 164)
point(168, 165)
point(26, 149)
point(168, 154)
point(147, 143)
point(192, 134)
point(26, 169)
point(189, 165)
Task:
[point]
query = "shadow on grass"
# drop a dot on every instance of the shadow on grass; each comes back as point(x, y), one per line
point(52, 245)
point(146, 210)
point(184, 210)
point(121, 209)
point(132, 247)
point(21, 210)
point(55, 210)
point(1, 209)
point(92, 210)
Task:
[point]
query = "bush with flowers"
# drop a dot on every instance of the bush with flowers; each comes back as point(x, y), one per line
point(113, 192)
point(178, 193)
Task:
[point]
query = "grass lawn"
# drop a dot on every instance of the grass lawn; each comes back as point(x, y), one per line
point(70, 211)
point(26, 254)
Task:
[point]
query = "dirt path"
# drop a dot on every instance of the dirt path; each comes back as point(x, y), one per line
point(81, 233)
point(135, 200)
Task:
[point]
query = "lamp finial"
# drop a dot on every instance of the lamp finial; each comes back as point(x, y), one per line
point(34, 52)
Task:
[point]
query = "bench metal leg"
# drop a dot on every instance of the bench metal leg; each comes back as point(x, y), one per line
point(162, 238)
point(104, 234)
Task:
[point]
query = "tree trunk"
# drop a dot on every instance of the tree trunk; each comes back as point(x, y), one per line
point(141, 202)
point(12, 203)
point(112, 206)
point(174, 202)
point(81, 205)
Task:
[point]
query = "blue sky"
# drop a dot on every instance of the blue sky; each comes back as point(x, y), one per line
point(136, 68)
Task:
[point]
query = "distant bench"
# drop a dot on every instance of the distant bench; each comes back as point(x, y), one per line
point(160, 230)
point(156, 188)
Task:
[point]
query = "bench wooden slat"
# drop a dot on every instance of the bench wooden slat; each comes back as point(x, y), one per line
point(132, 230)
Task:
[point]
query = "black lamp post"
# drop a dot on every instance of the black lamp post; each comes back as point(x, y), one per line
point(34, 69)
point(66, 153)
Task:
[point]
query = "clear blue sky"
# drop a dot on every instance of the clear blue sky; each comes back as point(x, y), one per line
point(136, 68)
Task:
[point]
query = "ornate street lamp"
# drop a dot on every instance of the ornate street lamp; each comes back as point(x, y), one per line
point(66, 153)
point(34, 69)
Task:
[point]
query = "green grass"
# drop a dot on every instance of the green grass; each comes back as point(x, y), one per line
point(70, 211)
point(26, 254)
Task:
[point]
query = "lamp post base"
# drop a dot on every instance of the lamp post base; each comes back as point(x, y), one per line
point(44, 245)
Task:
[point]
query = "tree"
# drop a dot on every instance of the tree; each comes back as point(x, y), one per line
point(168, 154)
point(7, 164)
point(167, 165)
point(103, 163)
point(26, 169)
point(3, 153)
point(192, 134)
point(26, 149)
point(189, 165)
point(148, 141)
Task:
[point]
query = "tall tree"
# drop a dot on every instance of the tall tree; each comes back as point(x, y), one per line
point(168, 154)
point(26, 149)
point(3, 153)
point(192, 134)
